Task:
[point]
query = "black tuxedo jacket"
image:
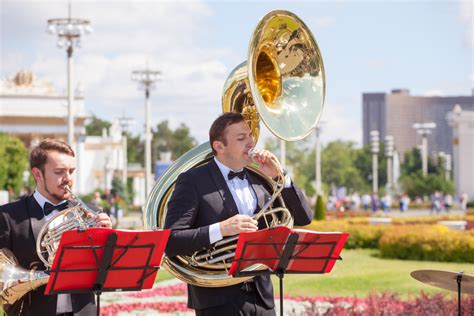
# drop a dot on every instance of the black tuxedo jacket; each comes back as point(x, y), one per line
point(20, 224)
point(201, 198)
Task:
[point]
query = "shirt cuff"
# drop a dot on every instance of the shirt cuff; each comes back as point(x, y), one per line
point(214, 233)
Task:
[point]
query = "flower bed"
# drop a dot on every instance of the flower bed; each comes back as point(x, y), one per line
point(169, 297)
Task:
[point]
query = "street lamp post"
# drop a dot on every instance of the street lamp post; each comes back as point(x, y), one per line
point(448, 167)
point(146, 79)
point(389, 155)
point(318, 160)
point(69, 32)
point(374, 148)
point(124, 124)
point(424, 129)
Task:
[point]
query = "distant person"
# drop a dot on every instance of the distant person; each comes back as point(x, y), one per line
point(96, 199)
point(355, 199)
point(404, 202)
point(448, 201)
point(374, 201)
point(436, 202)
point(365, 201)
point(386, 203)
point(463, 200)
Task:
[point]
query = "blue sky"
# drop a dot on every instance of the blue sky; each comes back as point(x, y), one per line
point(367, 46)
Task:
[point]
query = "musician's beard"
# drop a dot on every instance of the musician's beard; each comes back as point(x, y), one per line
point(58, 198)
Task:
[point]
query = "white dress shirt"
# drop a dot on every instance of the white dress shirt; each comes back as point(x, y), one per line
point(64, 304)
point(243, 194)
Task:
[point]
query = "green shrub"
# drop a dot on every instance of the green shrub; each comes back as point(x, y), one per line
point(320, 209)
point(408, 241)
point(427, 242)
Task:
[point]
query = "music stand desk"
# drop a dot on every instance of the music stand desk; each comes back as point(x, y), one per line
point(104, 260)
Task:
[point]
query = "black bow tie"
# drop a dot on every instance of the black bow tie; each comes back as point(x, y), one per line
point(48, 207)
point(240, 174)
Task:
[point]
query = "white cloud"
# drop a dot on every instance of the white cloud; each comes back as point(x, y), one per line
point(338, 123)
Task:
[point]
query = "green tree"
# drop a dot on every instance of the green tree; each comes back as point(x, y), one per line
point(14, 161)
point(177, 142)
point(415, 184)
point(135, 149)
point(412, 163)
point(96, 126)
point(337, 166)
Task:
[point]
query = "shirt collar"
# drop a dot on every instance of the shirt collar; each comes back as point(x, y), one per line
point(224, 169)
point(41, 199)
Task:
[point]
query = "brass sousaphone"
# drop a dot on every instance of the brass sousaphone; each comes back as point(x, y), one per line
point(283, 84)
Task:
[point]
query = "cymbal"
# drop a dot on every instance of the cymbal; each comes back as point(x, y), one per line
point(445, 279)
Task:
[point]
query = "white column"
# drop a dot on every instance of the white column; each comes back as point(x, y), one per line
point(424, 154)
point(318, 162)
point(70, 96)
point(147, 145)
point(125, 160)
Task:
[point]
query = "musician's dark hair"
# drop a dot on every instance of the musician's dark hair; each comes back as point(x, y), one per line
point(218, 127)
point(39, 154)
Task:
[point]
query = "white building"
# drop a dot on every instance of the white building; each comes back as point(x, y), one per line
point(462, 123)
point(31, 110)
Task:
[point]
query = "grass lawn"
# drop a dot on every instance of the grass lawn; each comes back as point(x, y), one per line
point(361, 272)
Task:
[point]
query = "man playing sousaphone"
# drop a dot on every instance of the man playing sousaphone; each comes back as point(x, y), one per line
point(216, 200)
point(52, 165)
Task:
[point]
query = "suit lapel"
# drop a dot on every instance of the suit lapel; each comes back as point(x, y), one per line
point(36, 215)
point(224, 191)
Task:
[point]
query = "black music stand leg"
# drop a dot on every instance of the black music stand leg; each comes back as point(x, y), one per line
point(279, 273)
point(458, 280)
point(98, 292)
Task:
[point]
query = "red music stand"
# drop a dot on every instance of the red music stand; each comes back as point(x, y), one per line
point(284, 251)
point(94, 260)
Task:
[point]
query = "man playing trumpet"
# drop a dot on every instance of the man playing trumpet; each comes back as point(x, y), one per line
point(52, 165)
point(218, 199)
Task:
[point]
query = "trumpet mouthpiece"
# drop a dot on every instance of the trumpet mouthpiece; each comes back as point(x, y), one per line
point(251, 152)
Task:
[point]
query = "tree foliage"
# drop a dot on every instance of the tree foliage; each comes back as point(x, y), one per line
point(414, 183)
point(338, 167)
point(14, 161)
point(96, 125)
point(177, 141)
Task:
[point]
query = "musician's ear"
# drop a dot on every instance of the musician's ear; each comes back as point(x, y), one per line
point(37, 174)
point(218, 146)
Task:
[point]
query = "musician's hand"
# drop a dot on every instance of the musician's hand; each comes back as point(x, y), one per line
point(238, 224)
point(103, 220)
point(264, 158)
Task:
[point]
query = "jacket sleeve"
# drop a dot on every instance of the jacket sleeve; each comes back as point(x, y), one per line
point(183, 208)
point(298, 205)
